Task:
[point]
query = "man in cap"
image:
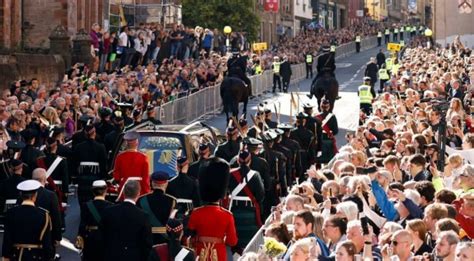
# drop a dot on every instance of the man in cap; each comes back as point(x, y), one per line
point(259, 121)
point(105, 125)
point(126, 228)
point(326, 63)
point(64, 151)
point(211, 226)
point(285, 72)
point(294, 146)
point(246, 196)
point(30, 153)
point(204, 154)
point(268, 119)
point(305, 139)
point(276, 67)
point(8, 190)
point(48, 201)
point(90, 164)
point(58, 175)
point(315, 126)
point(123, 169)
point(27, 228)
point(159, 206)
point(330, 129)
point(237, 66)
point(184, 188)
point(366, 96)
point(89, 239)
point(277, 163)
point(231, 147)
point(80, 135)
point(112, 137)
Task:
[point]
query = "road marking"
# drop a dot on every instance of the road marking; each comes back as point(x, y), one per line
point(343, 65)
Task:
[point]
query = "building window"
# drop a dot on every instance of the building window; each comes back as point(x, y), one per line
point(330, 19)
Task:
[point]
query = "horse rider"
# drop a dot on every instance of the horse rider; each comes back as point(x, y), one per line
point(237, 66)
point(326, 64)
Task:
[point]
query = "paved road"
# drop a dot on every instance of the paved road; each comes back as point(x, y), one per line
point(349, 74)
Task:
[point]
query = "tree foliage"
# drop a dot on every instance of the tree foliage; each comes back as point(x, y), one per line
point(238, 14)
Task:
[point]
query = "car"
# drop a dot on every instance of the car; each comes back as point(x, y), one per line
point(163, 144)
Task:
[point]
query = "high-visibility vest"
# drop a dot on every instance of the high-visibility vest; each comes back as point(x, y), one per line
point(358, 39)
point(387, 31)
point(421, 28)
point(333, 49)
point(365, 95)
point(402, 43)
point(383, 74)
point(395, 68)
point(379, 34)
point(396, 30)
point(276, 67)
point(388, 63)
point(309, 58)
point(258, 69)
point(413, 29)
point(402, 29)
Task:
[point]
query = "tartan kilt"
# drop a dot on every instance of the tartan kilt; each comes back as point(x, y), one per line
point(327, 148)
point(245, 224)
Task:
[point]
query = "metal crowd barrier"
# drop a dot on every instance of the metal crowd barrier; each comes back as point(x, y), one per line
point(187, 109)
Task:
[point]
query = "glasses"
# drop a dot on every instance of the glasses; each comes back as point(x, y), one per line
point(395, 243)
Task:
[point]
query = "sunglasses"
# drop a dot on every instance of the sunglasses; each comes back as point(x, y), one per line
point(395, 243)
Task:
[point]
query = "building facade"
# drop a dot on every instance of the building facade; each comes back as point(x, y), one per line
point(448, 22)
point(303, 14)
point(377, 9)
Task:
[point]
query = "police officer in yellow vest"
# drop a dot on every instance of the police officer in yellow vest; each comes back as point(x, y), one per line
point(357, 42)
point(379, 38)
point(309, 65)
point(333, 48)
point(388, 65)
point(276, 73)
point(402, 43)
point(387, 35)
point(402, 32)
point(412, 31)
point(395, 67)
point(257, 68)
point(395, 35)
point(365, 96)
point(383, 77)
point(421, 30)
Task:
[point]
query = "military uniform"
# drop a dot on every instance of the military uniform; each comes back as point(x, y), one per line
point(288, 155)
point(158, 205)
point(185, 190)
point(103, 128)
point(212, 227)
point(27, 233)
point(230, 148)
point(130, 164)
point(246, 201)
point(295, 148)
point(29, 153)
point(326, 64)
point(305, 139)
point(90, 162)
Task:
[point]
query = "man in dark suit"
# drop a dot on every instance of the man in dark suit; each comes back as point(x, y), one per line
point(285, 72)
point(30, 153)
point(158, 205)
point(456, 91)
point(126, 228)
point(48, 200)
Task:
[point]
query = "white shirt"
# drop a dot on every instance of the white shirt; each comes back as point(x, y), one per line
point(129, 201)
point(123, 39)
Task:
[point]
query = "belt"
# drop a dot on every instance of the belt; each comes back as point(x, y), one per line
point(89, 164)
point(10, 201)
point(184, 201)
point(214, 240)
point(92, 228)
point(29, 246)
point(158, 230)
point(241, 198)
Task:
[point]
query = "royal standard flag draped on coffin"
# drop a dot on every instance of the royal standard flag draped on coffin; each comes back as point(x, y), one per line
point(162, 160)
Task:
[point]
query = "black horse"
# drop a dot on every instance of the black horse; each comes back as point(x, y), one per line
point(234, 91)
point(325, 86)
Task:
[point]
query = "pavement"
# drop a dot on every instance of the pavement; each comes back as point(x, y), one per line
point(349, 73)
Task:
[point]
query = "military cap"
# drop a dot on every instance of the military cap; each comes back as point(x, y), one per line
point(99, 184)
point(105, 111)
point(214, 175)
point(243, 122)
point(16, 164)
point(160, 176)
point(15, 145)
point(244, 156)
point(131, 136)
point(182, 160)
point(285, 127)
point(367, 78)
point(307, 106)
point(302, 115)
point(28, 186)
point(252, 142)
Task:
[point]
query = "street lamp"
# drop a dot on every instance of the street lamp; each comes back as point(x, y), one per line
point(227, 32)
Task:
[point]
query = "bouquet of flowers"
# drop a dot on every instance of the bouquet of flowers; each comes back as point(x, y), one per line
point(273, 248)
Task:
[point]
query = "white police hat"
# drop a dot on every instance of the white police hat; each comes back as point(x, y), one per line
point(99, 184)
point(28, 186)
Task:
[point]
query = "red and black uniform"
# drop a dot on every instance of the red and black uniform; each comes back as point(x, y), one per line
point(213, 229)
point(132, 163)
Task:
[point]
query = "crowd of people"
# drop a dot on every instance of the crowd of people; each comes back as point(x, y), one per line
point(371, 193)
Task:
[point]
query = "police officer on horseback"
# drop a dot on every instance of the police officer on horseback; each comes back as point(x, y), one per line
point(237, 66)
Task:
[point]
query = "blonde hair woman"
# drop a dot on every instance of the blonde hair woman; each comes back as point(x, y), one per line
point(304, 250)
point(51, 115)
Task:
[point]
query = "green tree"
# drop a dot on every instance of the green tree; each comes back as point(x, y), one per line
point(238, 14)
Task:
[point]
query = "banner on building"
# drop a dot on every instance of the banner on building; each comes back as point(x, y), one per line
point(465, 6)
point(271, 6)
point(412, 7)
